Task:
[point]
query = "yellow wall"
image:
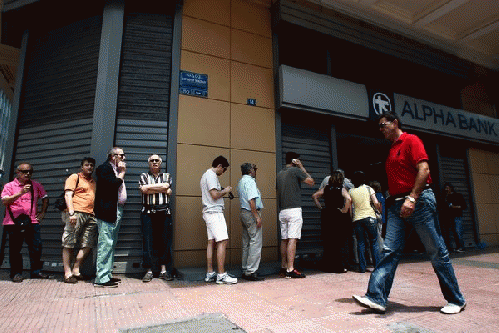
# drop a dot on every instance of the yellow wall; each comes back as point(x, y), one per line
point(484, 168)
point(230, 40)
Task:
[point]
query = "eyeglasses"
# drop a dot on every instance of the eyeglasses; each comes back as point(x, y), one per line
point(26, 171)
point(154, 161)
point(382, 125)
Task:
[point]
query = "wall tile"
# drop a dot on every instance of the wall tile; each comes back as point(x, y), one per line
point(203, 121)
point(481, 188)
point(211, 10)
point(252, 128)
point(487, 218)
point(190, 258)
point(251, 17)
point(250, 48)
point(205, 37)
point(250, 81)
point(478, 162)
point(190, 228)
point(490, 239)
point(192, 162)
point(217, 69)
point(493, 164)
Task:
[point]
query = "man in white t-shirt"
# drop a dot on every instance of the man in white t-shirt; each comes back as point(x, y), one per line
point(213, 205)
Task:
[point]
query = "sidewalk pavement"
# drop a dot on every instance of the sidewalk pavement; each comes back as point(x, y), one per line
point(322, 302)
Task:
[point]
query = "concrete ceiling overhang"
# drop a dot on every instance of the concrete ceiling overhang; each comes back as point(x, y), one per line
point(468, 29)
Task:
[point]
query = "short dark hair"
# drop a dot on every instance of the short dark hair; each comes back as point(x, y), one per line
point(220, 160)
point(391, 116)
point(358, 178)
point(291, 155)
point(87, 159)
point(246, 168)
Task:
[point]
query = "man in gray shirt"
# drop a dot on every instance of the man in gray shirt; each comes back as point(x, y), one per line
point(289, 182)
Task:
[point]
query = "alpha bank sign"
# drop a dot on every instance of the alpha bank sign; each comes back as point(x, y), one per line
point(438, 118)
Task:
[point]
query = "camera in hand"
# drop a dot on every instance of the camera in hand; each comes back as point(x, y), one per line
point(230, 195)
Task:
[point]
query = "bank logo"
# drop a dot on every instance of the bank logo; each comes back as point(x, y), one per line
point(381, 103)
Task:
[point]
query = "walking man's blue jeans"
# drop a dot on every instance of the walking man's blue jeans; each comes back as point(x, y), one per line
point(423, 220)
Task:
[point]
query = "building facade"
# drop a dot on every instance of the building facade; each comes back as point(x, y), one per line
point(281, 75)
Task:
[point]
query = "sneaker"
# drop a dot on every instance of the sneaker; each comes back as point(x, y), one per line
point(252, 277)
point(461, 250)
point(294, 274)
point(452, 308)
point(282, 272)
point(148, 277)
point(17, 278)
point(115, 280)
point(108, 284)
point(367, 303)
point(166, 276)
point(226, 278)
point(210, 277)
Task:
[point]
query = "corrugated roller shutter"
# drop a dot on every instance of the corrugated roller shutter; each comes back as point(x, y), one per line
point(55, 117)
point(61, 75)
point(142, 125)
point(55, 151)
point(313, 145)
point(454, 172)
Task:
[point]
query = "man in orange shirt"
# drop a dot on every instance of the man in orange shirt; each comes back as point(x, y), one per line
point(80, 224)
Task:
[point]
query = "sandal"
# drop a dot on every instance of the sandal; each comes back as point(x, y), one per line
point(72, 279)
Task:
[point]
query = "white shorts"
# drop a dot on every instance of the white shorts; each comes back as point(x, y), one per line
point(291, 222)
point(216, 227)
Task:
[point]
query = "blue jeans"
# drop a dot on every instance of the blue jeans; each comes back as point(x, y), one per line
point(457, 231)
point(370, 226)
point(423, 219)
point(106, 244)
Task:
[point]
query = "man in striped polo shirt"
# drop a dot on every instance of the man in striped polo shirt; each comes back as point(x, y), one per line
point(156, 219)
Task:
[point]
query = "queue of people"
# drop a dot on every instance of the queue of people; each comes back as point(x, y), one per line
point(353, 209)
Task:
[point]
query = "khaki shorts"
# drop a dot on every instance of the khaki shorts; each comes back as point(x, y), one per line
point(81, 234)
point(291, 222)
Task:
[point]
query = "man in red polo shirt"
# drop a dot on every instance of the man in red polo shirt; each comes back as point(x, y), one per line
point(20, 196)
point(411, 201)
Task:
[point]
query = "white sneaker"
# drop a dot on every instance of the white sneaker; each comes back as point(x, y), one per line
point(452, 308)
point(226, 278)
point(210, 277)
point(367, 303)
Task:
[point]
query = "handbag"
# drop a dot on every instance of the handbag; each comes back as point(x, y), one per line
point(23, 221)
point(60, 202)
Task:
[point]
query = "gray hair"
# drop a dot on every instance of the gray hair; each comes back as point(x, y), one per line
point(246, 168)
point(112, 151)
point(159, 157)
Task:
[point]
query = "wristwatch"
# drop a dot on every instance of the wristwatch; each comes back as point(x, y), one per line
point(411, 199)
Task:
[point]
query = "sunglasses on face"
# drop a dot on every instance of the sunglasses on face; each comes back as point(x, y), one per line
point(121, 155)
point(26, 171)
point(154, 161)
point(382, 125)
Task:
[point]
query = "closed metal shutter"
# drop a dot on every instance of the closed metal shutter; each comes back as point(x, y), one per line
point(313, 145)
point(142, 118)
point(55, 117)
point(454, 172)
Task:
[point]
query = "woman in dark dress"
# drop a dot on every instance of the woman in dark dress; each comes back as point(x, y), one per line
point(336, 227)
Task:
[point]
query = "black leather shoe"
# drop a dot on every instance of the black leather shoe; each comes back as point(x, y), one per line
point(252, 277)
point(40, 275)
